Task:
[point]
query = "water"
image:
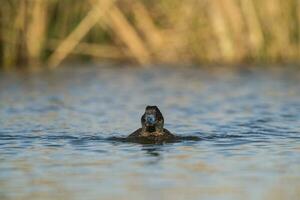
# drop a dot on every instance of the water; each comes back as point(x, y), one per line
point(54, 125)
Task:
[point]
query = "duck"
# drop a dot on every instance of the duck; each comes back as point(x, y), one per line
point(152, 130)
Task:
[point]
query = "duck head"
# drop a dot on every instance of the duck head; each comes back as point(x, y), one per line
point(152, 120)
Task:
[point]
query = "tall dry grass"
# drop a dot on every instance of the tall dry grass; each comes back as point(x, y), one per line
point(49, 32)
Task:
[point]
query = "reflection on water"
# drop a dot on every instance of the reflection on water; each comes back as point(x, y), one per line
point(55, 125)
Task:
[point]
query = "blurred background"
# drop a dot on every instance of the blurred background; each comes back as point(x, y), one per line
point(49, 32)
point(242, 102)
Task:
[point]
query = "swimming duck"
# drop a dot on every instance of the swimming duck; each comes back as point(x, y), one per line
point(152, 128)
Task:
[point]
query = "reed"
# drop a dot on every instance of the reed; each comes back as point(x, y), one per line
point(47, 32)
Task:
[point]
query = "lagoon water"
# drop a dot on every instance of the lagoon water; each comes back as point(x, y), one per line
point(54, 128)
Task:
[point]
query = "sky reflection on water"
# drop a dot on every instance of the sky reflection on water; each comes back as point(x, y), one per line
point(54, 127)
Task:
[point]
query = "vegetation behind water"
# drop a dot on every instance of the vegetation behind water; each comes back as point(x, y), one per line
point(49, 32)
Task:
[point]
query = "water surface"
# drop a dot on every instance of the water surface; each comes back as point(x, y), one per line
point(54, 125)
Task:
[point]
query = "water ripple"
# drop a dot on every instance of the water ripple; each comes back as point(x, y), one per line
point(63, 132)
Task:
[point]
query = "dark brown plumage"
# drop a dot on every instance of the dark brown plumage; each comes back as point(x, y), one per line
point(152, 130)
